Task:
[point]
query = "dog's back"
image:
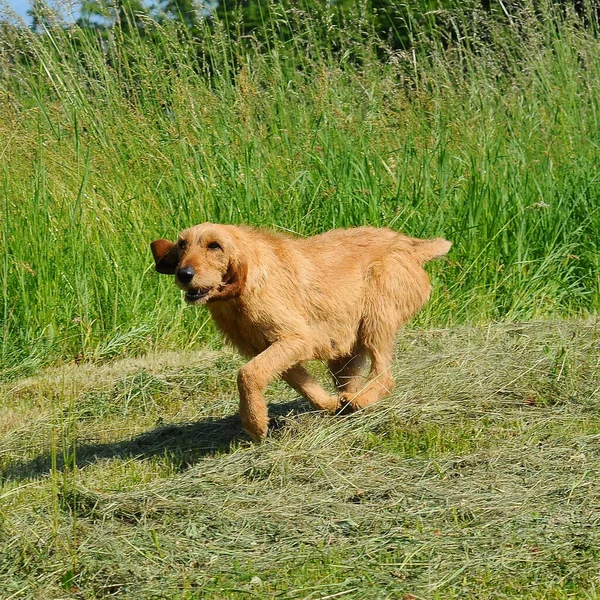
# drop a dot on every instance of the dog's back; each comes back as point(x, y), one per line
point(365, 267)
point(340, 286)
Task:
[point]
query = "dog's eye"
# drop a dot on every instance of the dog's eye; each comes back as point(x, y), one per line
point(214, 246)
point(182, 244)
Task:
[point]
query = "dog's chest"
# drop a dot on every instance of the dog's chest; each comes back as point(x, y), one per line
point(242, 329)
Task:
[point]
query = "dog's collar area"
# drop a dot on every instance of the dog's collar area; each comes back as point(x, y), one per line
point(228, 281)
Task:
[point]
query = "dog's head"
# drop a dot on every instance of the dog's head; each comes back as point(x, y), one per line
point(206, 261)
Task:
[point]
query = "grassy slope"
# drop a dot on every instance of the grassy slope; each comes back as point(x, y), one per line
point(477, 477)
point(493, 144)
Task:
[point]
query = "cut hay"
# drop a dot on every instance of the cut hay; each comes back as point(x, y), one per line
point(477, 478)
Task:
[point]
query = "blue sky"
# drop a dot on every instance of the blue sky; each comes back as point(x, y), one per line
point(65, 7)
point(19, 6)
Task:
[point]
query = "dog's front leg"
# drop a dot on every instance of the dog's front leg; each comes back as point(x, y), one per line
point(255, 375)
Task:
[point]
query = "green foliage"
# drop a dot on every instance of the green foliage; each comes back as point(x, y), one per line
point(126, 15)
point(115, 138)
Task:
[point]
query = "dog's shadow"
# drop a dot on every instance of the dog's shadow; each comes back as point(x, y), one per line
point(183, 444)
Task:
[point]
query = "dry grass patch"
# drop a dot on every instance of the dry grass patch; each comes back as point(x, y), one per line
point(477, 478)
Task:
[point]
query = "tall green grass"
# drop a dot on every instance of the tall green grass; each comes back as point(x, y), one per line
point(488, 136)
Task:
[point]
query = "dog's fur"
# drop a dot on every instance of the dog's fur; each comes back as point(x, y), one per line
point(339, 296)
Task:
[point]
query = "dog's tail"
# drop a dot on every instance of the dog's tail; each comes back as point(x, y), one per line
point(429, 249)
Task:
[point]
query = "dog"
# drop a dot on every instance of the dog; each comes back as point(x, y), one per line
point(281, 300)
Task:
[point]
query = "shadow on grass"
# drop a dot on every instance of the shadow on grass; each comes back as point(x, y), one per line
point(183, 444)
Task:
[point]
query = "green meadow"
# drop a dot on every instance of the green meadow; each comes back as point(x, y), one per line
point(124, 471)
point(492, 143)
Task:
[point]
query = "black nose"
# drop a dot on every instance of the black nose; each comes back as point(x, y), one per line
point(185, 274)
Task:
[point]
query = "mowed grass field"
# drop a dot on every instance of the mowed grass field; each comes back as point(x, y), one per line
point(477, 478)
point(124, 469)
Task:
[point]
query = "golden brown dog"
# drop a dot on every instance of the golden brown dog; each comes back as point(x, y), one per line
point(339, 296)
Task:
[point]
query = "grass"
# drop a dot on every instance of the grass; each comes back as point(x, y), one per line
point(492, 142)
point(475, 479)
point(124, 469)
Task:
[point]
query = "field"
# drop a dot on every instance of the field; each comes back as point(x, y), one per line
point(477, 478)
point(124, 470)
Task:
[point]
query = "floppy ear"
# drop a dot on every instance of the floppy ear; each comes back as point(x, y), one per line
point(234, 281)
point(166, 256)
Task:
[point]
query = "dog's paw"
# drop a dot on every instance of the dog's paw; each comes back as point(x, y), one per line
point(258, 434)
point(258, 437)
point(346, 404)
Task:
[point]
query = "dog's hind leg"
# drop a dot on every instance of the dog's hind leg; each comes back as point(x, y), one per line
point(348, 372)
point(379, 384)
point(298, 378)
